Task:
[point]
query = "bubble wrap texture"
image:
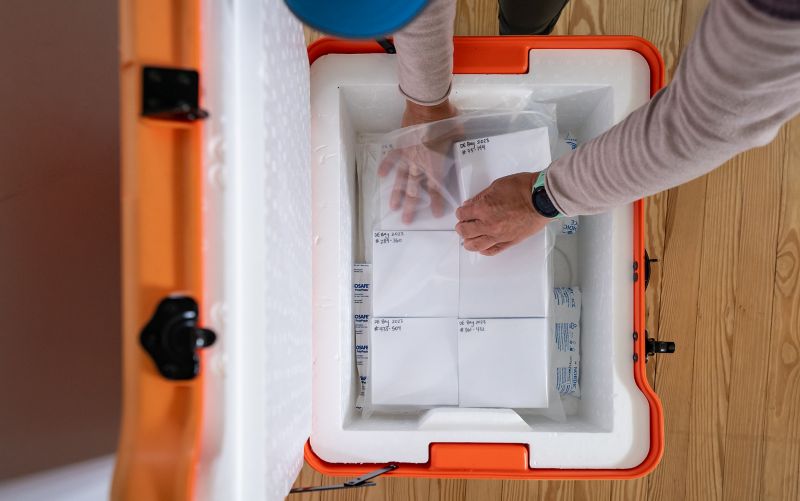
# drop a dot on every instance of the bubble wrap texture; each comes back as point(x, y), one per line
point(287, 216)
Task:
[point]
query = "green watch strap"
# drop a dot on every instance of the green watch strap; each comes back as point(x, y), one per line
point(539, 180)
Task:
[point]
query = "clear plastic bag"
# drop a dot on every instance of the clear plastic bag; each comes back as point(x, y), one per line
point(419, 184)
point(424, 154)
point(442, 317)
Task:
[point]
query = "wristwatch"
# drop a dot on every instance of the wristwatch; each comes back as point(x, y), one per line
point(541, 200)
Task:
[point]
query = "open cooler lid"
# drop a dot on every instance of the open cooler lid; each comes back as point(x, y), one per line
point(257, 247)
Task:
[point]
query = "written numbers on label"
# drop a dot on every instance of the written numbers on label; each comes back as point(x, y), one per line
point(388, 325)
point(389, 237)
point(468, 325)
point(473, 145)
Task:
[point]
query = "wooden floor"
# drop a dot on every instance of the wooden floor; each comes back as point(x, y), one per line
point(726, 291)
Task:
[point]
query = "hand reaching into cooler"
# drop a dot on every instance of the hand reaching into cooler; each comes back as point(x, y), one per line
point(420, 168)
point(500, 216)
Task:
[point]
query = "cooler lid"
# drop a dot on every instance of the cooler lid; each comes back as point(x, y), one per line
point(258, 252)
point(282, 213)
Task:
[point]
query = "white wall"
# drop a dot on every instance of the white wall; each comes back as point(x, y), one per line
point(59, 233)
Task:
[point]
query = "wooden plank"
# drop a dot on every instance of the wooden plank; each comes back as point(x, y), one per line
point(655, 220)
point(596, 490)
point(585, 18)
point(627, 490)
point(761, 171)
point(311, 35)
point(618, 17)
point(309, 477)
point(476, 18)
point(692, 12)
point(481, 490)
point(782, 455)
point(665, 26)
point(661, 26)
point(563, 25)
point(556, 490)
point(678, 316)
point(451, 489)
point(409, 489)
point(709, 409)
point(515, 490)
point(709, 404)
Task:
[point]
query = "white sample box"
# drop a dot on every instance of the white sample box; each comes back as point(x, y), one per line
point(480, 161)
point(516, 282)
point(415, 273)
point(502, 362)
point(414, 362)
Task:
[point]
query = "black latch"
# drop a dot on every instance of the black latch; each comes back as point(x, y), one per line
point(362, 481)
point(171, 94)
point(654, 347)
point(647, 268)
point(172, 338)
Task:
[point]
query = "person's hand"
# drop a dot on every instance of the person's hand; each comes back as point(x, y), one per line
point(416, 114)
point(500, 216)
point(420, 167)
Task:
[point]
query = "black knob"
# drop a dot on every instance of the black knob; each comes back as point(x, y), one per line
point(653, 346)
point(172, 338)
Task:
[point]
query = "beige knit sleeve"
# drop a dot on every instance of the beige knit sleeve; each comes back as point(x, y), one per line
point(737, 83)
point(425, 54)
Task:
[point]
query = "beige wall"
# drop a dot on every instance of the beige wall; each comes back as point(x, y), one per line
point(59, 229)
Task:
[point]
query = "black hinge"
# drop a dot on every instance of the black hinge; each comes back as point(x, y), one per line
point(387, 45)
point(172, 338)
point(362, 481)
point(647, 269)
point(171, 94)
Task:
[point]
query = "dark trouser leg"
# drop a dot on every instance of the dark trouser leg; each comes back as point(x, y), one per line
point(529, 17)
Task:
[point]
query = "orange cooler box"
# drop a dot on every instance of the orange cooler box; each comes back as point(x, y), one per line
point(239, 229)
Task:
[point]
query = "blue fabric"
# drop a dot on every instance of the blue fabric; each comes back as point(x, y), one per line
point(356, 18)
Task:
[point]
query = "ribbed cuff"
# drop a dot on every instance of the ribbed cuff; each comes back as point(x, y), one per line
point(427, 103)
point(554, 197)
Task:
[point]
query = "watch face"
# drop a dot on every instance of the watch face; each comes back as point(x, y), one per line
point(542, 203)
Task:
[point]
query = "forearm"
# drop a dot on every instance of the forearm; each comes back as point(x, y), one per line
point(737, 83)
point(425, 54)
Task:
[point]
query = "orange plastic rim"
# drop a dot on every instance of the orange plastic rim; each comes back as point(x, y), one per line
point(509, 55)
point(162, 420)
